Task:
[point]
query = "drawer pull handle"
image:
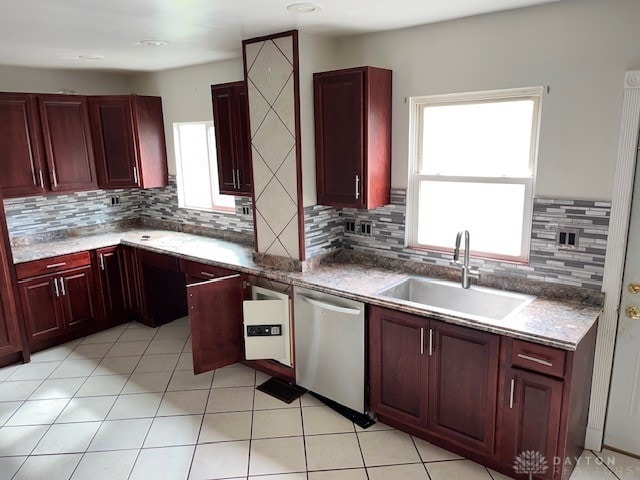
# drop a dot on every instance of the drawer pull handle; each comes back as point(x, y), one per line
point(55, 283)
point(534, 359)
point(513, 384)
point(208, 274)
point(55, 265)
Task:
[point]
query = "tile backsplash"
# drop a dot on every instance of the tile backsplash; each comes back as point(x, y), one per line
point(324, 228)
point(162, 204)
point(49, 214)
point(582, 266)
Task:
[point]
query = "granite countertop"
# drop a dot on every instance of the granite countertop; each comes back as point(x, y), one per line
point(556, 323)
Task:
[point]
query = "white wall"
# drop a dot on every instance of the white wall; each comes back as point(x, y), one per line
point(580, 48)
point(45, 80)
point(316, 54)
point(186, 93)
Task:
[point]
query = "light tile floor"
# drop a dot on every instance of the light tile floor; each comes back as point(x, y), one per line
point(124, 405)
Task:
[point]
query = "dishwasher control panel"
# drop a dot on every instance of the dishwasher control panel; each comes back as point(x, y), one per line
point(264, 330)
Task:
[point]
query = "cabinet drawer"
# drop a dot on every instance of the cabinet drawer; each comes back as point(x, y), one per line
point(52, 265)
point(166, 262)
point(203, 271)
point(538, 358)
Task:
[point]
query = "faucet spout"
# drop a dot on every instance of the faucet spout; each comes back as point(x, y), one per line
point(456, 252)
point(468, 271)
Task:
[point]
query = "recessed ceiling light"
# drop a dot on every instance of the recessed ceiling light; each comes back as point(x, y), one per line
point(154, 43)
point(304, 7)
point(90, 57)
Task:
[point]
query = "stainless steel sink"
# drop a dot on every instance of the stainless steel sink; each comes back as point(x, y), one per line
point(449, 297)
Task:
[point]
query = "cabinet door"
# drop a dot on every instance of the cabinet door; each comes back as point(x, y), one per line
point(112, 282)
point(21, 166)
point(112, 122)
point(76, 299)
point(67, 141)
point(463, 380)
point(10, 332)
point(40, 307)
point(530, 420)
point(151, 148)
point(224, 119)
point(215, 316)
point(398, 365)
point(339, 118)
point(131, 280)
point(243, 136)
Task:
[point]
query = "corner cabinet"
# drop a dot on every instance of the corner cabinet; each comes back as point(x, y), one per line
point(119, 285)
point(129, 141)
point(22, 162)
point(484, 396)
point(67, 142)
point(353, 137)
point(233, 142)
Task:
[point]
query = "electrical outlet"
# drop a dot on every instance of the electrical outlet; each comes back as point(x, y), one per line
point(246, 210)
point(567, 238)
point(365, 228)
point(349, 225)
point(115, 200)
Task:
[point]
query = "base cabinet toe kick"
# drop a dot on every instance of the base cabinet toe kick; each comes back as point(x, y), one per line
point(490, 398)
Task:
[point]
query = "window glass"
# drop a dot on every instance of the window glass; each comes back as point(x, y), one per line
point(478, 139)
point(196, 168)
point(473, 169)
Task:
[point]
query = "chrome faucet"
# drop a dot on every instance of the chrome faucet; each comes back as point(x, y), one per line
point(468, 272)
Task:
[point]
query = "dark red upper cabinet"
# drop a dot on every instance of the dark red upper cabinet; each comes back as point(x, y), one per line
point(353, 137)
point(233, 142)
point(22, 169)
point(67, 140)
point(129, 141)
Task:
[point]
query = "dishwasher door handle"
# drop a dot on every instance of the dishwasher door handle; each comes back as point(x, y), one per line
point(329, 306)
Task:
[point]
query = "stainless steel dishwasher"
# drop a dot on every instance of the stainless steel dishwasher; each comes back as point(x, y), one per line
point(329, 347)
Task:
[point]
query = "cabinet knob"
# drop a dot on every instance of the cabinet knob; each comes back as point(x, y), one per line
point(634, 287)
point(633, 312)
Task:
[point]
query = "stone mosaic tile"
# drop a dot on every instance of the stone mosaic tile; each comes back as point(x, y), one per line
point(582, 266)
point(41, 216)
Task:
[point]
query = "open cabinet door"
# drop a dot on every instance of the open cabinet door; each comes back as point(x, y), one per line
point(215, 315)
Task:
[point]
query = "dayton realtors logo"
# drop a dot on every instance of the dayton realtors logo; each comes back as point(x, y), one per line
point(530, 463)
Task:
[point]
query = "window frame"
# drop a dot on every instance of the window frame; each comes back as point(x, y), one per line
point(416, 108)
point(213, 169)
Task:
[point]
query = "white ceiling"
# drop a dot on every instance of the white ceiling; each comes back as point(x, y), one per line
point(53, 33)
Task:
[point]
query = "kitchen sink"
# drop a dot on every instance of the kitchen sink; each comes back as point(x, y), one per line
point(449, 297)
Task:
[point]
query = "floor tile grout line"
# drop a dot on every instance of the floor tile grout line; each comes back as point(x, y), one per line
point(606, 464)
point(364, 463)
point(424, 464)
point(304, 439)
point(253, 404)
point(204, 413)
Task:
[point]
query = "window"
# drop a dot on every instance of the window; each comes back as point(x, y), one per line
point(197, 168)
point(472, 168)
